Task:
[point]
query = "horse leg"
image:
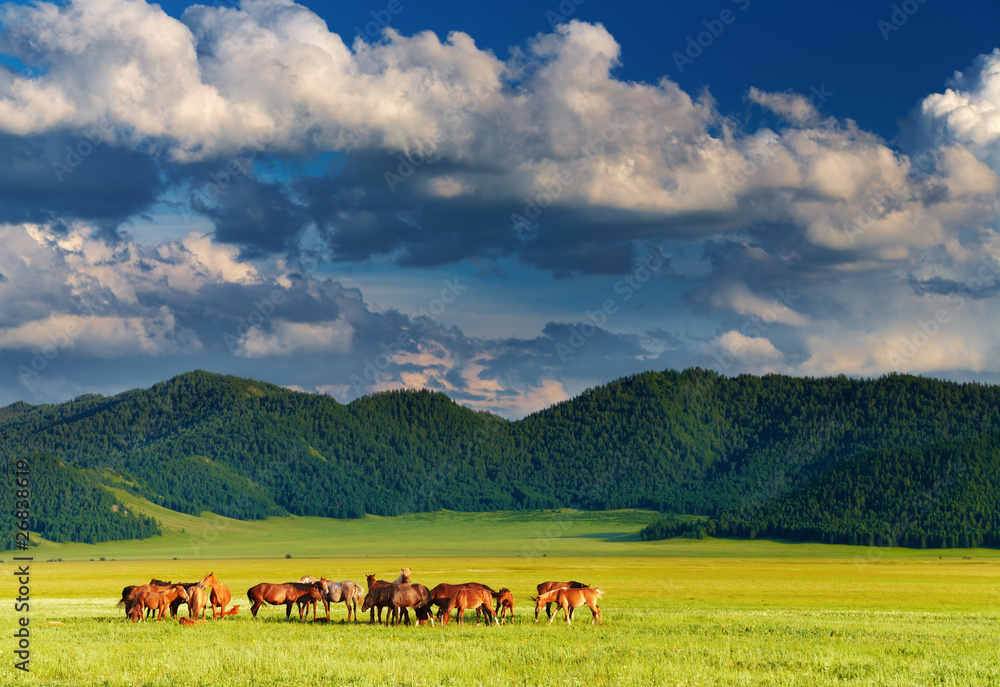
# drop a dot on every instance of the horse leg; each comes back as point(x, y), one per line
point(553, 616)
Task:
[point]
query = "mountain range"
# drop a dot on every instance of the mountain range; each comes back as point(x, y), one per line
point(893, 460)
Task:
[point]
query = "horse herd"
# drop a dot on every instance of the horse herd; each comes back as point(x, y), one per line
point(396, 598)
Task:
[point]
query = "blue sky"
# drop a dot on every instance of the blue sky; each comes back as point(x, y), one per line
point(508, 203)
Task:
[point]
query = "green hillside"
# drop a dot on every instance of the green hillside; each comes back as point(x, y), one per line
point(65, 504)
point(690, 442)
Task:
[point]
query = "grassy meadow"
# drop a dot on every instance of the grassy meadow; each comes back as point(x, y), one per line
point(679, 612)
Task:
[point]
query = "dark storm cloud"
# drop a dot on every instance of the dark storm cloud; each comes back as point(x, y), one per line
point(258, 216)
point(62, 176)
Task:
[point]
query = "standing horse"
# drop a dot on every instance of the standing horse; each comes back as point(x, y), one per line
point(441, 594)
point(158, 600)
point(197, 599)
point(478, 599)
point(550, 586)
point(374, 584)
point(404, 576)
point(505, 604)
point(287, 594)
point(398, 596)
point(132, 591)
point(569, 598)
point(220, 596)
point(176, 603)
point(336, 592)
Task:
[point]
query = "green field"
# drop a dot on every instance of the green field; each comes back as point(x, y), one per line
point(679, 612)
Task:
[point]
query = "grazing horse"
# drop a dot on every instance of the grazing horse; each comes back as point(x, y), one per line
point(374, 584)
point(479, 599)
point(176, 603)
point(220, 596)
point(287, 594)
point(505, 604)
point(335, 592)
point(550, 586)
point(441, 594)
point(132, 591)
point(569, 598)
point(398, 596)
point(197, 600)
point(160, 600)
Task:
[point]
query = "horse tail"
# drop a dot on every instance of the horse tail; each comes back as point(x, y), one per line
point(599, 592)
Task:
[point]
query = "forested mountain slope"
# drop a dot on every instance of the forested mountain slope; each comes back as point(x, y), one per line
point(690, 442)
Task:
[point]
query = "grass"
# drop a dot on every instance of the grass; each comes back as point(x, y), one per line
point(679, 612)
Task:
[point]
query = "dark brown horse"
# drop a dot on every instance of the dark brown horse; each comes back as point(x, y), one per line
point(441, 594)
point(220, 596)
point(568, 598)
point(550, 586)
point(478, 599)
point(398, 596)
point(287, 594)
point(374, 584)
point(505, 604)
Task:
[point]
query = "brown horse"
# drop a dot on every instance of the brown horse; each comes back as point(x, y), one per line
point(505, 604)
point(220, 596)
point(160, 600)
point(398, 596)
point(197, 599)
point(441, 594)
point(374, 584)
point(478, 599)
point(336, 592)
point(287, 594)
point(130, 593)
point(550, 586)
point(175, 605)
point(569, 598)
